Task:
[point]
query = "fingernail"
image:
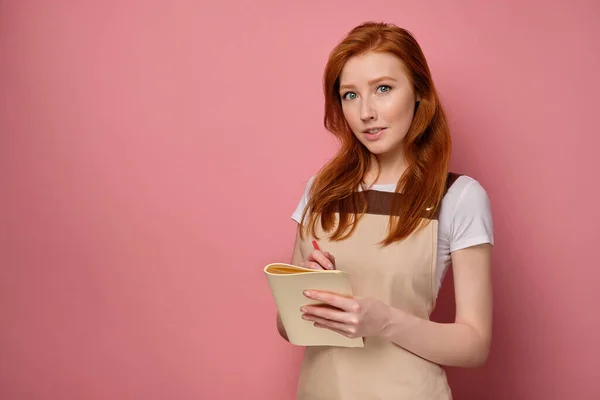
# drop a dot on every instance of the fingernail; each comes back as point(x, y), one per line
point(330, 266)
point(303, 309)
point(307, 293)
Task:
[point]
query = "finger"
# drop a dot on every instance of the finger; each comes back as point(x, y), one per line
point(312, 265)
point(345, 303)
point(333, 325)
point(330, 313)
point(318, 256)
point(343, 333)
point(330, 256)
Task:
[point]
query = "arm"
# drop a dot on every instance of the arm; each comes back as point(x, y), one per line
point(464, 343)
point(280, 327)
point(296, 260)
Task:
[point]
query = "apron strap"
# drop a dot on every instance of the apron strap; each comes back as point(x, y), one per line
point(450, 179)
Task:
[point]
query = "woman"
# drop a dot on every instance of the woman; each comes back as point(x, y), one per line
point(387, 210)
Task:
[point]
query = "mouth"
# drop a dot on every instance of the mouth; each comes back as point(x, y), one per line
point(374, 133)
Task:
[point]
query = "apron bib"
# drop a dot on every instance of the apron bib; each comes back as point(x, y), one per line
point(402, 275)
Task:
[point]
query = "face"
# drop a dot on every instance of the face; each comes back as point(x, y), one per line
point(378, 101)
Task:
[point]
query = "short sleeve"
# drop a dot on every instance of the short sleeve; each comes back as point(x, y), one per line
point(297, 214)
point(472, 218)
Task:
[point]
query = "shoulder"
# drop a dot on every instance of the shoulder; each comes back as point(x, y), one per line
point(466, 191)
point(310, 181)
point(303, 201)
point(307, 186)
point(466, 214)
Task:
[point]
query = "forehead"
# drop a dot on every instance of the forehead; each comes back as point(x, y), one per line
point(365, 67)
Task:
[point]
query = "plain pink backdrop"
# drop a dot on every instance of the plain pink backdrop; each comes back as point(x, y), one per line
point(151, 154)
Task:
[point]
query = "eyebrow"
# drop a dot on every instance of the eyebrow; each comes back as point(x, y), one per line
point(371, 82)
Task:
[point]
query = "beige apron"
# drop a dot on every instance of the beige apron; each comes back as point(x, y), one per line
point(401, 275)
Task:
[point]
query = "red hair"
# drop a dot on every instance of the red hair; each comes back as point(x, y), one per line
point(427, 144)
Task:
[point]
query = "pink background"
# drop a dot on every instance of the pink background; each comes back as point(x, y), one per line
point(151, 153)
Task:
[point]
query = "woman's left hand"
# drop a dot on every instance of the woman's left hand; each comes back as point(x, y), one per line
point(351, 317)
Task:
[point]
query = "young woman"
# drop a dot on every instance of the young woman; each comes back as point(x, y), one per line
point(387, 210)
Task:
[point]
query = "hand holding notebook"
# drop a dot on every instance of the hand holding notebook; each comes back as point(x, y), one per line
point(288, 283)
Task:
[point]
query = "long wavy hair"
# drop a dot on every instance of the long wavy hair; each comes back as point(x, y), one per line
point(427, 144)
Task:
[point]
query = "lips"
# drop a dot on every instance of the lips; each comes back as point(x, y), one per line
point(373, 130)
point(374, 133)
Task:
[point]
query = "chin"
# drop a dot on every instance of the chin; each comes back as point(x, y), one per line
point(377, 148)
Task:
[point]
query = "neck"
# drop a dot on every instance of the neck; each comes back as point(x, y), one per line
point(389, 167)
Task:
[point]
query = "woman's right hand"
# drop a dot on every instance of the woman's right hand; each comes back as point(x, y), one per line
point(319, 260)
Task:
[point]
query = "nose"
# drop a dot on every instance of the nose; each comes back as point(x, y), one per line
point(367, 111)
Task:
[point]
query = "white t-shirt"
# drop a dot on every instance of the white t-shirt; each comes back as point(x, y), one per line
point(465, 219)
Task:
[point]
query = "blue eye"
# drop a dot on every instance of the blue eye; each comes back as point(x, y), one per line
point(345, 96)
point(388, 88)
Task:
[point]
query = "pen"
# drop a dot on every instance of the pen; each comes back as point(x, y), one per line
point(316, 246)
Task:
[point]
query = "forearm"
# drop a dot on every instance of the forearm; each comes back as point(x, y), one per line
point(451, 344)
point(280, 327)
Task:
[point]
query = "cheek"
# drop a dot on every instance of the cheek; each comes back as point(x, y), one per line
point(398, 110)
point(352, 116)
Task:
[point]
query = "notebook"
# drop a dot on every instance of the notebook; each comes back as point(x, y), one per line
point(287, 283)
